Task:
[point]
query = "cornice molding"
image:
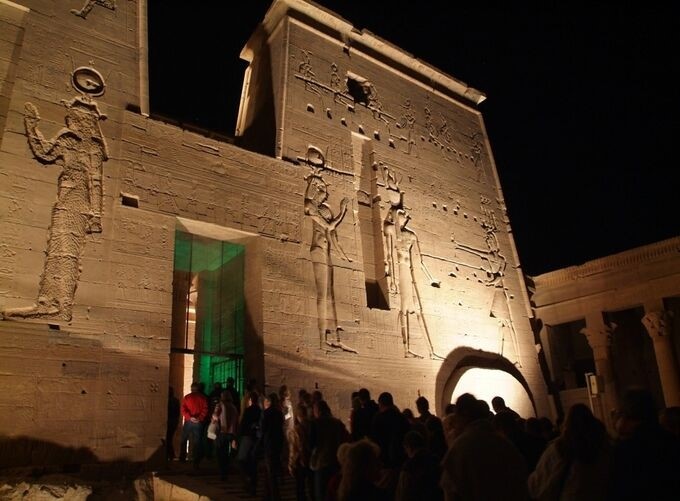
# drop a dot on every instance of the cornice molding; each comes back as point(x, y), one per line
point(626, 259)
point(362, 40)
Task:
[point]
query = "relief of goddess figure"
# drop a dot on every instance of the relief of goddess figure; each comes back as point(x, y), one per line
point(80, 149)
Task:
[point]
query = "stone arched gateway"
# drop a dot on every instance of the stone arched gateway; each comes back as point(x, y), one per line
point(461, 360)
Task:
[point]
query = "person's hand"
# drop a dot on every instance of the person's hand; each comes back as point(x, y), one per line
point(194, 420)
point(344, 203)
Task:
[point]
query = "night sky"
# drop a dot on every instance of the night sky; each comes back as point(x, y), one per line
point(582, 106)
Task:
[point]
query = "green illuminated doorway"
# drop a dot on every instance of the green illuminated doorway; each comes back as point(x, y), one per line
point(208, 313)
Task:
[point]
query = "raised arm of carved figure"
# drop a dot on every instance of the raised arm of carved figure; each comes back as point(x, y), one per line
point(433, 282)
point(334, 224)
point(468, 248)
point(341, 215)
point(313, 210)
point(46, 151)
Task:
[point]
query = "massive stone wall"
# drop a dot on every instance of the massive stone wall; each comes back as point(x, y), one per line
point(85, 364)
point(388, 141)
point(381, 183)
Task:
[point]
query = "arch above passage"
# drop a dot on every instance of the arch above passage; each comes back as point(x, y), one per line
point(463, 359)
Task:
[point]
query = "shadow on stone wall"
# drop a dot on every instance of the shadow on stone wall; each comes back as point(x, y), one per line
point(27, 456)
point(31, 467)
point(54, 380)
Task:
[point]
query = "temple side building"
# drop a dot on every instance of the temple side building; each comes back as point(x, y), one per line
point(611, 324)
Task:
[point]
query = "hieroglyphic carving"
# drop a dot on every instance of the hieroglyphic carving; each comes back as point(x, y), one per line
point(80, 149)
point(306, 72)
point(435, 128)
point(367, 97)
point(364, 92)
point(401, 245)
point(87, 7)
point(336, 81)
point(395, 197)
point(324, 237)
point(407, 122)
point(439, 134)
point(476, 156)
point(493, 264)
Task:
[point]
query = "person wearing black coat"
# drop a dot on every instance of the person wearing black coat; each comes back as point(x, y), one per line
point(272, 444)
point(248, 433)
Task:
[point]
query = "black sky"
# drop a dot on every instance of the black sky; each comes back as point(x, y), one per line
point(582, 106)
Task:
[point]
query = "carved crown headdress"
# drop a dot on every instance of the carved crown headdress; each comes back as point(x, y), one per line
point(90, 83)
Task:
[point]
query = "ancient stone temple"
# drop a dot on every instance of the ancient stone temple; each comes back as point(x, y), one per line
point(353, 234)
point(611, 324)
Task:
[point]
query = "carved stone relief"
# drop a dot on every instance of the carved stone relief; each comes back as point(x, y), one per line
point(306, 72)
point(439, 133)
point(324, 239)
point(401, 247)
point(336, 82)
point(406, 123)
point(80, 148)
point(492, 263)
point(476, 156)
point(354, 92)
point(89, 4)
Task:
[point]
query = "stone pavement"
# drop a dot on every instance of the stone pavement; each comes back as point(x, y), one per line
point(182, 482)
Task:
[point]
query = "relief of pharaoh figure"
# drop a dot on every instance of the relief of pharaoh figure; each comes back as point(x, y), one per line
point(80, 150)
point(324, 238)
point(401, 247)
point(395, 197)
point(406, 246)
point(494, 264)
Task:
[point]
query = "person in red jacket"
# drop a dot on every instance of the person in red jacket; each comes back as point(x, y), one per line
point(194, 411)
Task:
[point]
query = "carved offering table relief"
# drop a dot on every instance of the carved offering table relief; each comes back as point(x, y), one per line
point(80, 149)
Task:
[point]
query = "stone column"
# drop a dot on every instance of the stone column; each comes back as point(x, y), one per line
point(657, 324)
point(599, 338)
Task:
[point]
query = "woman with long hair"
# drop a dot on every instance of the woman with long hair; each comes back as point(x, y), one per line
point(576, 464)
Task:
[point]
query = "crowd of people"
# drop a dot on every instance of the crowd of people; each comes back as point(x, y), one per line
point(474, 452)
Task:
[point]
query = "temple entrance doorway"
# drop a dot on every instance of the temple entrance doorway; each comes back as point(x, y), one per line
point(208, 314)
